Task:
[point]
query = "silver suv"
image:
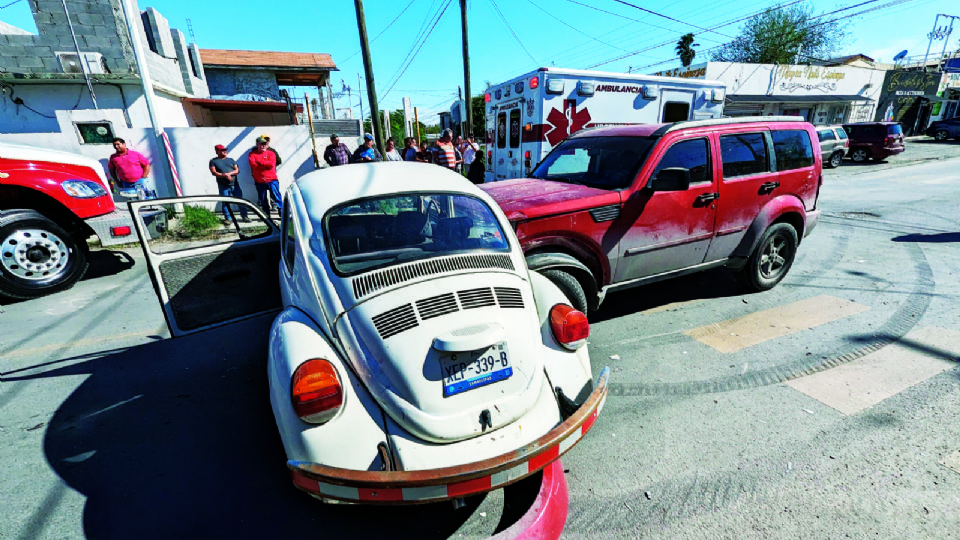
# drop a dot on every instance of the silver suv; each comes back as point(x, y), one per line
point(833, 145)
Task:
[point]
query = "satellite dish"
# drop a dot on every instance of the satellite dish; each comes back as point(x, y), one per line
point(900, 56)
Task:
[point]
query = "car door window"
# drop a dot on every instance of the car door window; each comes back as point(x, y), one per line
point(693, 155)
point(841, 134)
point(515, 128)
point(792, 149)
point(176, 226)
point(502, 130)
point(826, 135)
point(743, 154)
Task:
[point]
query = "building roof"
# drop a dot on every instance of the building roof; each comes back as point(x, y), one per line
point(267, 59)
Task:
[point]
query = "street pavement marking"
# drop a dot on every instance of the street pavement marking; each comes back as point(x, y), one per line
point(735, 334)
point(864, 382)
point(952, 461)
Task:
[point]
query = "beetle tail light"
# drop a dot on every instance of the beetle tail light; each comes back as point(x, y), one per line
point(569, 326)
point(316, 392)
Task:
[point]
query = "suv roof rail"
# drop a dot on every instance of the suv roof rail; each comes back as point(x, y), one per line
point(725, 121)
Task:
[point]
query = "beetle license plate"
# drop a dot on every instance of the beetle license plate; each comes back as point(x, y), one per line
point(467, 370)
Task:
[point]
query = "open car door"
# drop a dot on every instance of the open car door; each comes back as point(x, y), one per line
point(208, 271)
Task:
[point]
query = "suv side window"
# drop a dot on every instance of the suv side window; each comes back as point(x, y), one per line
point(743, 154)
point(288, 241)
point(841, 133)
point(792, 149)
point(826, 135)
point(693, 155)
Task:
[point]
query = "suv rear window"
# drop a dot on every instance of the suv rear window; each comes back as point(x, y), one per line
point(826, 135)
point(894, 130)
point(792, 149)
point(600, 162)
point(743, 154)
point(841, 133)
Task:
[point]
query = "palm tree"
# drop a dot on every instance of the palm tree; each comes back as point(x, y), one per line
point(685, 49)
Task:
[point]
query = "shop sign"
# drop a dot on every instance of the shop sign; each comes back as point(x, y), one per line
point(698, 72)
point(817, 78)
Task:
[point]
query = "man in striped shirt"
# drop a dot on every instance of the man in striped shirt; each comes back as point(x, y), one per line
point(443, 152)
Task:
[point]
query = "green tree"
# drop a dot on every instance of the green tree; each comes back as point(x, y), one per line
point(685, 49)
point(478, 107)
point(783, 35)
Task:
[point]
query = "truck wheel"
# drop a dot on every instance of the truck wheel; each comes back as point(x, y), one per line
point(37, 257)
point(835, 160)
point(570, 286)
point(772, 258)
point(941, 135)
point(859, 155)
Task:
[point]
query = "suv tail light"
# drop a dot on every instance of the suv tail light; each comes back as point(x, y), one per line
point(315, 391)
point(887, 141)
point(569, 326)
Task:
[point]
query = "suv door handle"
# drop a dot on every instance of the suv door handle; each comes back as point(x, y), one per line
point(707, 197)
point(769, 186)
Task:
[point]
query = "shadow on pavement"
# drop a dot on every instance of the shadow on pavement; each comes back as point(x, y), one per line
point(105, 263)
point(918, 346)
point(176, 439)
point(717, 283)
point(940, 238)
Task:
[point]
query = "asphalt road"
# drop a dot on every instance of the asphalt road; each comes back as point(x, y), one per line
point(828, 407)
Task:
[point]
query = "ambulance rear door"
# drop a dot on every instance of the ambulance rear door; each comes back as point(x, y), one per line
point(676, 105)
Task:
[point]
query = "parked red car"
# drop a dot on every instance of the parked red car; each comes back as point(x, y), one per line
point(877, 140)
point(615, 207)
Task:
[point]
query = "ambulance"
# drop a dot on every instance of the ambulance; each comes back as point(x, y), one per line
point(527, 116)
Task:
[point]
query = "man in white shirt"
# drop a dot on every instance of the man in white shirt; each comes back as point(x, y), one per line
point(469, 150)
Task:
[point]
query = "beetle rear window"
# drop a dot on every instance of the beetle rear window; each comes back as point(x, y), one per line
point(379, 232)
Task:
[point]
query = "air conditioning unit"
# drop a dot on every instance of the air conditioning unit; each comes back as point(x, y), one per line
point(92, 61)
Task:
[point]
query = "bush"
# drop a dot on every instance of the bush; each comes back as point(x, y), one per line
point(197, 220)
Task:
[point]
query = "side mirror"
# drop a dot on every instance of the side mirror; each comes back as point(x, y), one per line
point(671, 179)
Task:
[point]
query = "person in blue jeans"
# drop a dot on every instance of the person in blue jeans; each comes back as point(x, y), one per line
point(225, 169)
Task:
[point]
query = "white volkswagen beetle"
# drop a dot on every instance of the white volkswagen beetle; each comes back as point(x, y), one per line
point(415, 358)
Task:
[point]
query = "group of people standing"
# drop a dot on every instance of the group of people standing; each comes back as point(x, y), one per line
point(263, 162)
point(462, 156)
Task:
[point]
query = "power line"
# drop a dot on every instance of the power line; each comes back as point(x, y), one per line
point(645, 10)
point(404, 10)
point(574, 28)
point(414, 55)
point(510, 29)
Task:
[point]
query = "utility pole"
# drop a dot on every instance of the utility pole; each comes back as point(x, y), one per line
point(368, 70)
point(468, 105)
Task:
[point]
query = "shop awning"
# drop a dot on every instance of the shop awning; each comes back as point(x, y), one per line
point(753, 98)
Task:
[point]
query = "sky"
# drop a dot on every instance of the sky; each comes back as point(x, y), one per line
point(416, 46)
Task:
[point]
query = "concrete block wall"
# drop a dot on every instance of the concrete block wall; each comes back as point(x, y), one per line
point(96, 25)
point(193, 83)
point(99, 27)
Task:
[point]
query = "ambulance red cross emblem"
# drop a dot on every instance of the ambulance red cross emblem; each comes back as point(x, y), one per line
point(565, 122)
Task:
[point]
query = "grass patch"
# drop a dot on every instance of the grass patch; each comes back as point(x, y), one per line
point(197, 221)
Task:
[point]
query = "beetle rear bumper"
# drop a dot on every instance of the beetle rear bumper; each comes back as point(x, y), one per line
point(426, 486)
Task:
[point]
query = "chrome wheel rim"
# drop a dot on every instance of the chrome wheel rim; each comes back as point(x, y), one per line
point(34, 254)
point(774, 257)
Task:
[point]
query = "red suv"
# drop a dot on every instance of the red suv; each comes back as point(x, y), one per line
point(615, 207)
point(877, 140)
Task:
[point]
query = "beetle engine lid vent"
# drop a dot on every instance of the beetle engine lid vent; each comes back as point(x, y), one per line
point(509, 297)
point(475, 298)
point(436, 306)
point(374, 281)
point(391, 323)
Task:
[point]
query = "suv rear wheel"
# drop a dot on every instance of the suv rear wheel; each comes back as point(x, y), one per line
point(859, 155)
point(772, 258)
point(835, 160)
point(941, 135)
point(37, 257)
point(570, 286)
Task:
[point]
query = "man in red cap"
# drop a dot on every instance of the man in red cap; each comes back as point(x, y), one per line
point(225, 169)
point(263, 165)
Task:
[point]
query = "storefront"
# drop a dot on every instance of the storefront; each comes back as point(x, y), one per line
point(822, 95)
point(908, 97)
point(949, 93)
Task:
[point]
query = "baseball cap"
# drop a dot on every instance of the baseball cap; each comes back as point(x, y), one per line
point(334, 136)
point(219, 147)
point(368, 136)
point(264, 136)
point(261, 140)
